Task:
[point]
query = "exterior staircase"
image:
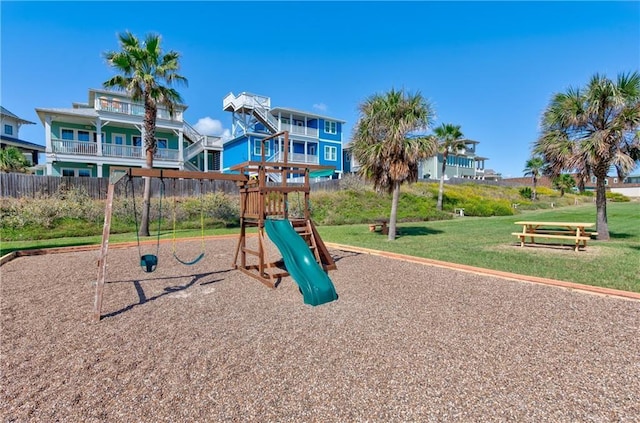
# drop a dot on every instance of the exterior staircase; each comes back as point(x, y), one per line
point(256, 105)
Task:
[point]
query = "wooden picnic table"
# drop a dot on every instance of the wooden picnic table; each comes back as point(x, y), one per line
point(575, 231)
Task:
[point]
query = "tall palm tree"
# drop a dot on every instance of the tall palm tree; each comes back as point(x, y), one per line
point(12, 160)
point(534, 168)
point(146, 73)
point(385, 143)
point(593, 129)
point(450, 140)
point(564, 183)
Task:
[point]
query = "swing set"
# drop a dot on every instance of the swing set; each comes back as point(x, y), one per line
point(260, 201)
point(149, 262)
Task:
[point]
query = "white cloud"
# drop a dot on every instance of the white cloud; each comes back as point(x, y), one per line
point(208, 126)
point(320, 106)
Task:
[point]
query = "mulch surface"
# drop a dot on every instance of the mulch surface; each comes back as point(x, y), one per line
point(404, 342)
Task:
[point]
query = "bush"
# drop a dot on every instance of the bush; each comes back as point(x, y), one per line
point(526, 193)
point(616, 197)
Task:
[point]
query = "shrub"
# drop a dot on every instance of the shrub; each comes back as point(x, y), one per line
point(616, 197)
point(526, 192)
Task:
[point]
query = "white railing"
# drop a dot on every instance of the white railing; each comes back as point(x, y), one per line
point(82, 148)
point(192, 150)
point(299, 130)
point(132, 108)
point(267, 118)
point(167, 154)
point(124, 151)
point(295, 158)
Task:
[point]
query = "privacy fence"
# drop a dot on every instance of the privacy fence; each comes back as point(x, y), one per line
point(19, 185)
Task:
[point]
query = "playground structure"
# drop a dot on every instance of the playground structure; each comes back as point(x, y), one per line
point(264, 205)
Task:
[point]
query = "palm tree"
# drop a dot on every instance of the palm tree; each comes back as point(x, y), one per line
point(564, 183)
point(534, 168)
point(385, 143)
point(593, 129)
point(12, 160)
point(146, 74)
point(449, 138)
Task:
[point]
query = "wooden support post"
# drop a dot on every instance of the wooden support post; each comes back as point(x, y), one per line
point(102, 263)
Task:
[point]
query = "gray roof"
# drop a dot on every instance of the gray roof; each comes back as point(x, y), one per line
point(274, 111)
point(6, 112)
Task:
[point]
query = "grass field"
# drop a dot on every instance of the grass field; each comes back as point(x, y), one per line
point(487, 242)
point(477, 241)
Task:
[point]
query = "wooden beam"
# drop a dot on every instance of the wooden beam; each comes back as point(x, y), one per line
point(180, 174)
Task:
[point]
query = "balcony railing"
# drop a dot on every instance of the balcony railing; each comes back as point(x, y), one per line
point(296, 158)
point(87, 148)
point(299, 130)
point(133, 109)
point(82, 148)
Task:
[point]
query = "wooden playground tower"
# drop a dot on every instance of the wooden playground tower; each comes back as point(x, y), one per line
point(259, 200)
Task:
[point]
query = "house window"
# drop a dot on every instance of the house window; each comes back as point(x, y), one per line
point(330, 153)
point(257, 148)
point(67, 134)
point(286, 121)
point(330, 127)
point(615, 180)
point(8, 129)
point(83, 136)
point(137, 141)
point(161, 143)
point(68, 172)
point(84, 173)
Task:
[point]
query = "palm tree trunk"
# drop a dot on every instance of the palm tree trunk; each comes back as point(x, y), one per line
point(394, 211)
point(441, 189)
point(534, 194)
point(146, 203)
point(602, 226)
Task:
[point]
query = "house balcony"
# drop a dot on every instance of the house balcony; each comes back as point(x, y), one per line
point(133, 109)
point(296, 158)
point(87, 148)
point(299, 130)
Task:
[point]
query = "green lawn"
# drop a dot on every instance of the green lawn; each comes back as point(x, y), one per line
point(487, 242)
point(477, 241)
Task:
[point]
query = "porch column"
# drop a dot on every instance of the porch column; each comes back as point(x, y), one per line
point(279, 121)
point(47, 134)
point(99, 139)
point(305, 132)
point(181, 159)
point(206, 160)
point(305, 145)
point(99, 170)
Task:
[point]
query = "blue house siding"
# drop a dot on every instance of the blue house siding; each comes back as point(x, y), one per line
point(329, 136)
point(235, 152)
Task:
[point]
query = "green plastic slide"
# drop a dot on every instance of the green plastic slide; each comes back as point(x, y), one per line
point(315, 285)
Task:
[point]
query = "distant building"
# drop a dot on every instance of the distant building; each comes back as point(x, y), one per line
point(10, 136)
point(461, 164)
point(313, 138)
point(88, 138)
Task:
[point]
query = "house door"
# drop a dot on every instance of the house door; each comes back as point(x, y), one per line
point(118, 141)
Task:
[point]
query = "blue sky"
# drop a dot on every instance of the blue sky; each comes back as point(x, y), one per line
point(490, 67)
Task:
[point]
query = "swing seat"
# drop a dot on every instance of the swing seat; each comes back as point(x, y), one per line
point(189, 263)
point(148, 262)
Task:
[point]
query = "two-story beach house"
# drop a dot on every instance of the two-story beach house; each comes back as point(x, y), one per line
point(463, 163)
point(313, 138)
point(10, 136)
point(87, 138)
point(460, 164)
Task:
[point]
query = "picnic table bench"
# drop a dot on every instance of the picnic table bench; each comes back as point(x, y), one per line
point(574, 231)
point(379, 224)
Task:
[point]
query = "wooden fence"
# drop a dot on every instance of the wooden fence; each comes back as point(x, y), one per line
point(19, 185)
